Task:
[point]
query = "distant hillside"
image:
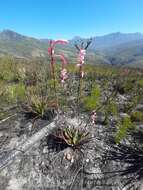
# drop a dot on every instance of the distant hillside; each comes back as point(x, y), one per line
point(129, 54)
point(114, 39)
point(110, 40)
point(21, 46)
point(115, 48)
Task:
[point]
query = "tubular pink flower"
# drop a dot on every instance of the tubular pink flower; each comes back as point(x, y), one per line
point(51, 53)
point(81, 57)
point(63, 75)
point(82, 54)
point(93, 116)
point(83, 51)
point(64, 61)
point(54, 42)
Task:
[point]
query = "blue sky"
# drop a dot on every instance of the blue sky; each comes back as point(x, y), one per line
point(69, 18)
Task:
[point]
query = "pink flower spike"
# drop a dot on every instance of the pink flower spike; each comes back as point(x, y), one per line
point(82, 51)
point(63, 75)
point(53, 43)
point(82, 54)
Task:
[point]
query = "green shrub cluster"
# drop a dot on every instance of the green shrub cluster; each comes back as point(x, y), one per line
point(123, 128)
point(137, 116)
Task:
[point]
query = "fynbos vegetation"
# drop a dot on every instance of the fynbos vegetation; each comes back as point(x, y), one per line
point(90, 104)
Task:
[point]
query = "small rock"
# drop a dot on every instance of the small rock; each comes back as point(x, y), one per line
point(139, 107)
point(87, 160)
point(123, 115)
point(100, 118)
point(45, 150)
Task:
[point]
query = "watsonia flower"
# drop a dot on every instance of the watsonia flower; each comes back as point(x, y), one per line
point(52, 61)
point(53, 44)
point(82, 54)
point(52, 55)
point(64, 73)
point(81, 58)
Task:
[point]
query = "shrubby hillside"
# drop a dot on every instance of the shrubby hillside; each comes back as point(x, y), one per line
point(114, 49)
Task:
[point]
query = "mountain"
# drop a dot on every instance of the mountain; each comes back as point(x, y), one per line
point(115, 48)
point(114, 39)
point(129, 54)
point(10, 35)
point(110, 40)
point(21, 46)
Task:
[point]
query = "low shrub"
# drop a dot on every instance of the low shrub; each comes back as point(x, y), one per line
point(137, 116)
point(38, 103)
point(73, 137)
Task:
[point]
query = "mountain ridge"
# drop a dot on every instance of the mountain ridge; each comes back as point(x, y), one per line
point(114, 48)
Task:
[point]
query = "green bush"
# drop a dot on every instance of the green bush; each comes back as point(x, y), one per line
point(38, 103)
point(123, 127)
point(16, 92)
point(73, 137)
point(137, 116)
point(91, 102)
point(8, 68)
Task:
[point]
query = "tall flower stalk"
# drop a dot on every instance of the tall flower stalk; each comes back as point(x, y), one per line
point(81, 59)
point(52, 55)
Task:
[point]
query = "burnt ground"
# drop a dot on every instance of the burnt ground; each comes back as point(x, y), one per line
point(44, 167)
